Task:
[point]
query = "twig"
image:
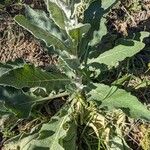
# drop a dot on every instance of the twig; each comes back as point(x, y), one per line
point(129, 15)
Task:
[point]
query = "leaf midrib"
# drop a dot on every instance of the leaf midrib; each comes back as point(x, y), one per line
point(55, 138)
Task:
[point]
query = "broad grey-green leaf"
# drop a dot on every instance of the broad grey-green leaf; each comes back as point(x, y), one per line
point(40, 33)
point(54, 135)
point(57, 13)
point(40, 19)
point(112, 57)
point(17, 102)
point(58, 134)
point(29, 76)
point(112, 97)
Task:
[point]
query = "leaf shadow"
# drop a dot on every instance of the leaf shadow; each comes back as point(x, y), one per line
point(45, 134)
point(108, 43)
point(40, 148)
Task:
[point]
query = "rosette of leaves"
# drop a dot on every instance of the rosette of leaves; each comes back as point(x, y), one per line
point(79, 58)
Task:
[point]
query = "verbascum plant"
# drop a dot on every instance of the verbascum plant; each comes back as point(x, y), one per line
point(75, 42)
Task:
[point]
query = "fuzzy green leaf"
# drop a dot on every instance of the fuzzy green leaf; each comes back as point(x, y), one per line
point(67, 65)
point(112, 57)
point(79, 31)
point(40, 33)
point(112, 97)
point(57, 13)
point(94, 16)
point(58, 134)
point(29, 76)
point(17, 102)
point(41, 19)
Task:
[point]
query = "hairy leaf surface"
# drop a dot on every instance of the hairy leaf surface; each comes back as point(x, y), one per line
point(40, 19)
point(113, 97)
point(16, 101)
point(57, 14)
point(40, 33)
point(29, 76)
point(112, 57)
point(79, 31)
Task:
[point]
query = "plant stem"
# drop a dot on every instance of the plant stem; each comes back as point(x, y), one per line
point(53, 97)
point(49, 98)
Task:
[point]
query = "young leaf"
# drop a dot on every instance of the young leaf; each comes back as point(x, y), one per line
point(40, 33)
point(58, 134)
point(79, 31)
point(111, 58)
point(67, 65)
point(29, 76)
point(112, 97)
point(57, 13)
